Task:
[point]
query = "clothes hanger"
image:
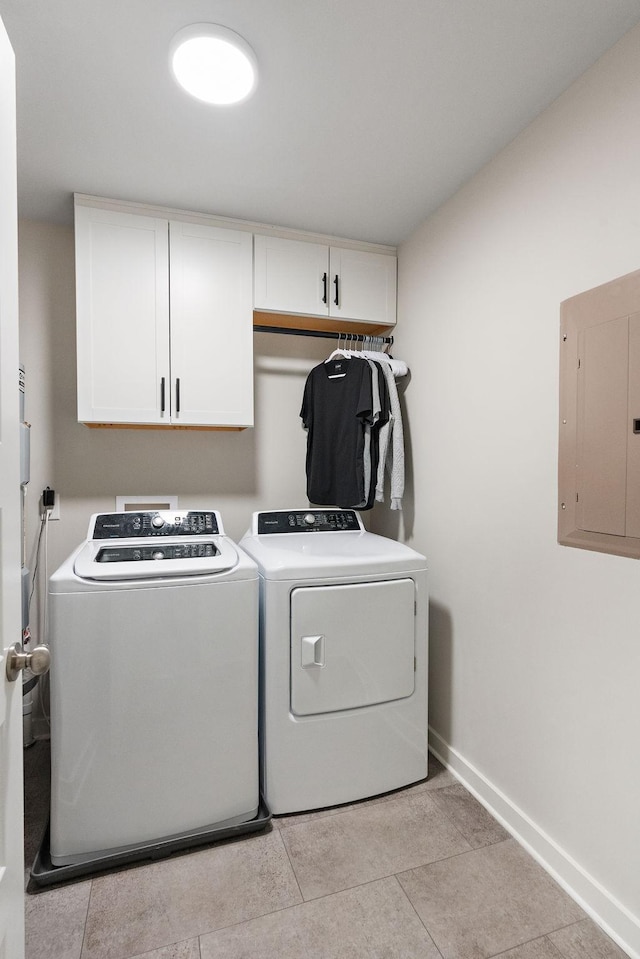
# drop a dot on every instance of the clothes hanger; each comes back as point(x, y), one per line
point(398, 367)
point(342, 350)
point(339, 352)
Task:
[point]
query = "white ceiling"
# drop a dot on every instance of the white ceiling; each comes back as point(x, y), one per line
point(369, 113)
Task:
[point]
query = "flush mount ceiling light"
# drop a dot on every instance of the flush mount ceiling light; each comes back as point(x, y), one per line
point(213, 63)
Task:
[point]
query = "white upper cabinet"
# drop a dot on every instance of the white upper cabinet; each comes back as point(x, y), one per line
point(122, 314)
point(290, 276)
point(293, 276)
point(211, 326)
point(164, 321)
point(362, 286)
point(165, 300)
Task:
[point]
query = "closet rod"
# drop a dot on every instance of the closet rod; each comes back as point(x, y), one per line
point(328, 334)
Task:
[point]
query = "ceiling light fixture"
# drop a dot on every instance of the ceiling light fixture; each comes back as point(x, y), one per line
point(213, 63)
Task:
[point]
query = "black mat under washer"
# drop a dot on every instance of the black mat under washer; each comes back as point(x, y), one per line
point(44, 873)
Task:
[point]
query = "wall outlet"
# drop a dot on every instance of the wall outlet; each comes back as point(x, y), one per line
point(54, 513)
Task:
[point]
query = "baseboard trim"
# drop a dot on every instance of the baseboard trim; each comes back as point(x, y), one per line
point(612, 916)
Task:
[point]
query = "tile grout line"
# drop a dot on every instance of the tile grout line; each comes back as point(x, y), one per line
point(230, 925)
point(295, 876)
point(261, 915)
point(422, 865)
point(391, 875)
point(168, 945)
point(420, 920)
point(505, 952)
point(442, 809)
point(298, 905)
point(86, 921)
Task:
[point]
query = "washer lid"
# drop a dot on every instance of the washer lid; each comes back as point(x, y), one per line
point(142, 559)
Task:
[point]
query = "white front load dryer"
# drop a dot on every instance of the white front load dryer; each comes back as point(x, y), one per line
point(343, 647)
point(154, 686)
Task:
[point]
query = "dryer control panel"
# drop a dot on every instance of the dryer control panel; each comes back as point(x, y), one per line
point(145, 524)
point(309, 521)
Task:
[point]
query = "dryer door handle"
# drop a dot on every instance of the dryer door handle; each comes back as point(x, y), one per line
point(311, 651)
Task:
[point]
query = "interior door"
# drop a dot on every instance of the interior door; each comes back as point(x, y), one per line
point(11, 806)
point(352, 645)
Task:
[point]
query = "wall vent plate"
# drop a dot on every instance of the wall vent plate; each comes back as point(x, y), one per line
point(128, 504)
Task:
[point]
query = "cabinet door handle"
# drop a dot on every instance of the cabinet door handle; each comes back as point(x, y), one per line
point(324, 287)
point(337, 297)
point(177, 394)
point(162, 395)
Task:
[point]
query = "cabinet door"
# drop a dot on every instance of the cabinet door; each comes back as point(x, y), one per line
point(633, 430)
point(291, 276)
point(211, 326)
point(362, 286)
point(608, 431)
point(122, 309)
point(603, 425)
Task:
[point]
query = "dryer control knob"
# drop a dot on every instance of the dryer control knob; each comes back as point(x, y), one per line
point(157, 522)
point(309, 519)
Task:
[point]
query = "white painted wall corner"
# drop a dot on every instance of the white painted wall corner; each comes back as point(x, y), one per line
point(610, 914)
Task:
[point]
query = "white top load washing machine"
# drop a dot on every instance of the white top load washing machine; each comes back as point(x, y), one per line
point(154, 685)
point(343, 621)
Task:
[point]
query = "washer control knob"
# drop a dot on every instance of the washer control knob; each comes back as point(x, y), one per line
point(309, 519)
point(157, 522)
point(157, 554)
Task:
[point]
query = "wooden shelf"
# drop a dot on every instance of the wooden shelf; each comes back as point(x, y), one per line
point(290, 321)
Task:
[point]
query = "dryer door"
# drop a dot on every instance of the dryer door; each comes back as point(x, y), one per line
point(351, 645)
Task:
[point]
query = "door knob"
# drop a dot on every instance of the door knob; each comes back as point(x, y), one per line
point(38, 661)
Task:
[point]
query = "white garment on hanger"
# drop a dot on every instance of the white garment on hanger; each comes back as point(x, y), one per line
point(392, 439)
point(399, 367)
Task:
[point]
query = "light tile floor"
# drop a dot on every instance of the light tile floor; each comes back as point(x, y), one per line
point(422, 873)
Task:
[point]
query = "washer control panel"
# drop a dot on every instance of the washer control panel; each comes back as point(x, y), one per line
point(309, 521)
point(142, 554)
point(145, 524)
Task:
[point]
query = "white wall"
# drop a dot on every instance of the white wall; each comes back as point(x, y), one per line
point(237, 472)
point(535, 648)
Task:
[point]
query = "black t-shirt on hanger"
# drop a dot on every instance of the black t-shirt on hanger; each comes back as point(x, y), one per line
point(337, 403)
